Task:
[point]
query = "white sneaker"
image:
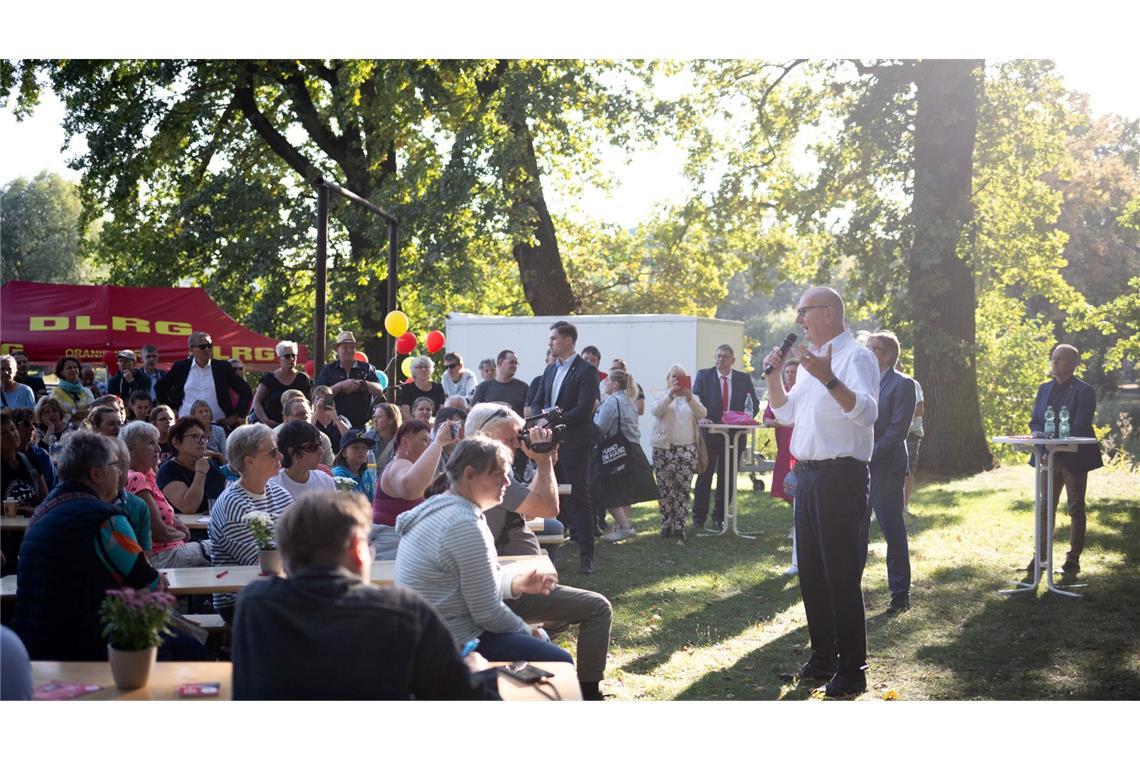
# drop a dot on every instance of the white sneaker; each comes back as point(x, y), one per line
point(792, 570)
point(617, 534)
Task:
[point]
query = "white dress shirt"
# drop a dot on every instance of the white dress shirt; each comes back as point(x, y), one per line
point(200, 387)
point(823, 430)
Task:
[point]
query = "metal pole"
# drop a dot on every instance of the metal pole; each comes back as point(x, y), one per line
point(393, 288)
point(322, 278)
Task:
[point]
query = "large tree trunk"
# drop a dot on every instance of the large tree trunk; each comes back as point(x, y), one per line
point(941, 279)
point(540, 266)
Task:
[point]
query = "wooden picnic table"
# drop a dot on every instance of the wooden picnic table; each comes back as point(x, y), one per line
point(233, 578)
point(166, 677)
point(193, 522)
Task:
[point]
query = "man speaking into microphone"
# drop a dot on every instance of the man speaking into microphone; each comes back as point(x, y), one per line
point(834, 413)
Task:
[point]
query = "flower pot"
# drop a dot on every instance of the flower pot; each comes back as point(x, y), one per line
point(271, 562)
point(131, 669)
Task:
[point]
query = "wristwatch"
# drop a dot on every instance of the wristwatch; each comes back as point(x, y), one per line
point(830, 384)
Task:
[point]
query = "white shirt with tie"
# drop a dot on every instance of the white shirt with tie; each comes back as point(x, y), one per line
point(823, 430)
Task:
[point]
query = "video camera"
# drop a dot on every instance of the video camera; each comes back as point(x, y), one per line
point(548, 418)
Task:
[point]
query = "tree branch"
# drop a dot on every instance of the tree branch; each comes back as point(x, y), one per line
point(243, 96)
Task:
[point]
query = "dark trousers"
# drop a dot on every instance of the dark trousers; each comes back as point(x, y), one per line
point(575, 510)
point(1075, 484)
point(886, 498)
point(832, 516)
point(715, 442)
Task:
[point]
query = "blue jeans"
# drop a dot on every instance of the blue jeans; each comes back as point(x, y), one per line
point(519, 646)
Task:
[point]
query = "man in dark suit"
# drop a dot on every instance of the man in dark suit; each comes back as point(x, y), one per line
point(720, 388)
point(889, 464)
point(571, 383)
point(201, 378)
point(1070, 469)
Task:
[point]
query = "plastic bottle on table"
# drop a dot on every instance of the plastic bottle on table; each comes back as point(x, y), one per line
point(1050, 422)
point(1063, 427)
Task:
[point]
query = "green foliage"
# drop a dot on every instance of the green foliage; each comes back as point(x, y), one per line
point(40, 231)
point(1013, 351)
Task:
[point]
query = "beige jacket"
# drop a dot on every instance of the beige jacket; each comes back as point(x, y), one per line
point(664, 418)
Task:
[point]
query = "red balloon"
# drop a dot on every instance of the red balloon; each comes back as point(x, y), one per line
point(407, 380)
point(434, 341)
point(360, 356)
point(407, 342)
point(309, 367)
point(111, 358)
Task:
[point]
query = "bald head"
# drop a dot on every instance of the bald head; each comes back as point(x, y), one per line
point(820, 314)
point(1064, 362)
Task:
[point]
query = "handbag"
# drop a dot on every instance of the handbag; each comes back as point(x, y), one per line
point(702, 448)
point(614, 452)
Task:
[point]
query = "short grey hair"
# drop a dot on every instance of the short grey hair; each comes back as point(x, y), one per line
point(138, 432)
point(244, 442)
point(420, 361)
point(488, 415)
point(82, 451)
point(284, 345)
point(889, 339)
point(9, 359)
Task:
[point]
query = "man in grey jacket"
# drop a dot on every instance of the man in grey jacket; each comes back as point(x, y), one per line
point(889, 464)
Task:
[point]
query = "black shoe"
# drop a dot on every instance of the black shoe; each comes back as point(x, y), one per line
point(718, 525)
point(1071, 567)
point(809, 671)
point(586, 565)
point(840, 687)
point(899, 603)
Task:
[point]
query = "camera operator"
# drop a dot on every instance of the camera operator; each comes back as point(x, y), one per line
point(565, 606)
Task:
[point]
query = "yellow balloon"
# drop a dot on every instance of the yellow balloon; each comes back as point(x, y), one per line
point(406, 366)
point(396, 323)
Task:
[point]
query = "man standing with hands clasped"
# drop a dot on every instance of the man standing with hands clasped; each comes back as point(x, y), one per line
point(834, 413)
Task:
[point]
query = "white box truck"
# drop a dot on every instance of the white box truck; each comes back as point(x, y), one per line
point(650, 344)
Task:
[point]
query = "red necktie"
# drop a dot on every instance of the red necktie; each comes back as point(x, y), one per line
point(723, 394)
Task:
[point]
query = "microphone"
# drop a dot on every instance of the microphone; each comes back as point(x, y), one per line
point(789, 339)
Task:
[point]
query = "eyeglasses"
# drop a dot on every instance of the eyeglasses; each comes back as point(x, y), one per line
point(119, 464)
point(309, 448)
point(288, 356)
point(204, 346)
point(803, 310)
point(271, 452)
point(198, 437)
point(446, 366)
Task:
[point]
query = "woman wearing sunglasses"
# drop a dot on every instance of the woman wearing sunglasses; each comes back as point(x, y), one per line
point(300, 446)
point(267, 400)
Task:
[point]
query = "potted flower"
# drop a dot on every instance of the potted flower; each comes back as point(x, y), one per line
point(134, 623)
point(260, 524)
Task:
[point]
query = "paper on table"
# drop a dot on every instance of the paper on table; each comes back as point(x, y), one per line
point(63, 690)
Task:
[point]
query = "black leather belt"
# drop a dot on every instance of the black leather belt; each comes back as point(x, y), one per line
point(820, 464)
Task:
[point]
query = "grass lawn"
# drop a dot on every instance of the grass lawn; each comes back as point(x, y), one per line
point(713, 618)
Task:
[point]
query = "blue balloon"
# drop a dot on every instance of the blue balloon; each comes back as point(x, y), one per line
point(383, 376)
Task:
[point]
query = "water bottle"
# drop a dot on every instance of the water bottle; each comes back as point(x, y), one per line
point(52, 445)
point(748, 408)
point(1050, 423)
point(1063, 427)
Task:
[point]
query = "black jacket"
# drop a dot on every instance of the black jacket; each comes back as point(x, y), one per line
point(707, 388)
point(170, 389)
point(322, 633)
point(576, 397)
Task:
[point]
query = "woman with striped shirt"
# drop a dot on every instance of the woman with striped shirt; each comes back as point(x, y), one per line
point(447, 554)
point(253, 454)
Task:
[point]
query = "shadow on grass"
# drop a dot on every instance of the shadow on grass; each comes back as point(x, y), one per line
point(1045, 646)
point(722, 619)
